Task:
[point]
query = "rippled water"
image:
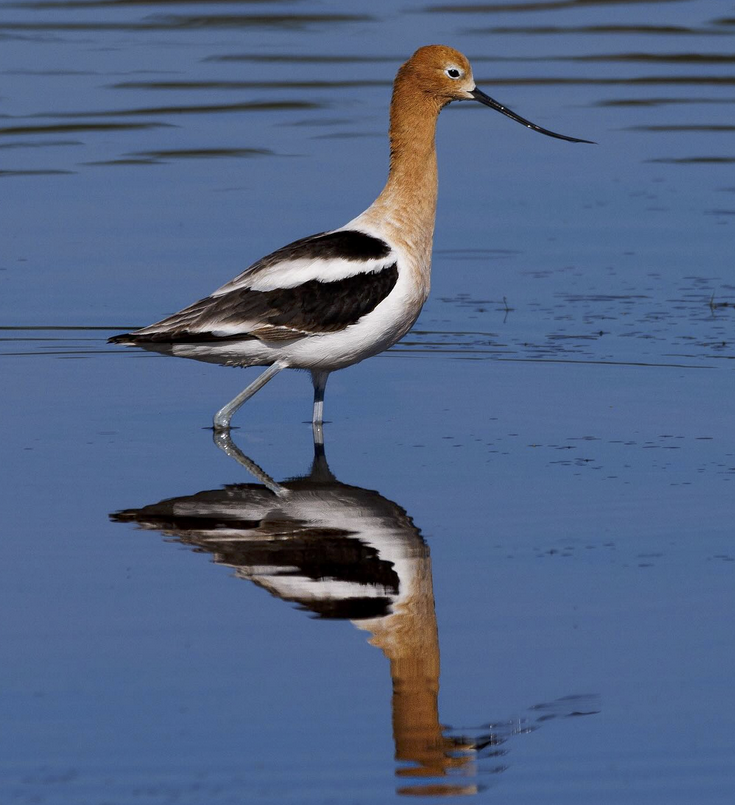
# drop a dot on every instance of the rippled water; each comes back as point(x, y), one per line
point(534, 486)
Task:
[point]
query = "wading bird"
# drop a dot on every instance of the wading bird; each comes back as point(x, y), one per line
point(330, 300)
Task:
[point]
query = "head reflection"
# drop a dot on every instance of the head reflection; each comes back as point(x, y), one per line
point(343, 552)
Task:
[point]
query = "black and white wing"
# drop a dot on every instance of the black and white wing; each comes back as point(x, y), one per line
point(319, 284)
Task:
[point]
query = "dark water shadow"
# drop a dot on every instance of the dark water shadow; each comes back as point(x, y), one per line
point(61, 128)
point(184, 22)
point(184, 86)
point(301, 58)
point(532, 6)
point(646, 58)
point(203, 153)
point(697, 160)
point(198, 109)
point(631, 57)
point(609, 29)
point(165, 157)
point(341, 552)
point(62, 5)
point(716, 128)
point(43, 144)
point(653, 102)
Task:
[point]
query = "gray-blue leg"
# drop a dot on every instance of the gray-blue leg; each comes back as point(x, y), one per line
point(224, 415)
point(319, 379)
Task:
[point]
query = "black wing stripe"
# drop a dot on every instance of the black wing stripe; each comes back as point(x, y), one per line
point(312, 307)
point(347, 244)
point(329, 306)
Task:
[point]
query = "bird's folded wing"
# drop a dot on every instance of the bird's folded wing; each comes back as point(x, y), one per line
point(320, 284)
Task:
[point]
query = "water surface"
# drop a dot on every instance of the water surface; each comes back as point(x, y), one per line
point(514, 579)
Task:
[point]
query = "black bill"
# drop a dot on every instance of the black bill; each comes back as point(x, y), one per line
point(480, 96)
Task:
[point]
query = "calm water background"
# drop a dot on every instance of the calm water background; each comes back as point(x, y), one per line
point(558, 425)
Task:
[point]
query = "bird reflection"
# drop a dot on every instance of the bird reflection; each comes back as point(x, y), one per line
point(343, 552)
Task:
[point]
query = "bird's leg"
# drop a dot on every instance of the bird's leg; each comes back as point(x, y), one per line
point(319, 379)
point(224, 415)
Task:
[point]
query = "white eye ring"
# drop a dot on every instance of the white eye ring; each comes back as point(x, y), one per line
point(453, 73)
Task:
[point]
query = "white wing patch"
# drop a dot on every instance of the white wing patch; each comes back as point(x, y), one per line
point(292, 273)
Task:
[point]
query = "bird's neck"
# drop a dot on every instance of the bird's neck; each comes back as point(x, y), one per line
point(406, 206)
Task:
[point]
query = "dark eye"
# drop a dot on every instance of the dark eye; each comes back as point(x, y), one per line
point(452, 72)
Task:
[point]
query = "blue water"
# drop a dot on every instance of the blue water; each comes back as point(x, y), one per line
point(552, 445)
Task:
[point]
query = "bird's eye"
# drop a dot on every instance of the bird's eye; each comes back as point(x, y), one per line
point(453, 72)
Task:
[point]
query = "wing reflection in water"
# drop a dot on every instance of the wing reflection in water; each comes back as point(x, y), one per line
point(344, 552)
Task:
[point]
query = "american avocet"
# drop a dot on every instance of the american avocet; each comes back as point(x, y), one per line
point(330, 300)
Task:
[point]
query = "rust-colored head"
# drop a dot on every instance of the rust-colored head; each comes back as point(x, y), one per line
point(439, 71)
